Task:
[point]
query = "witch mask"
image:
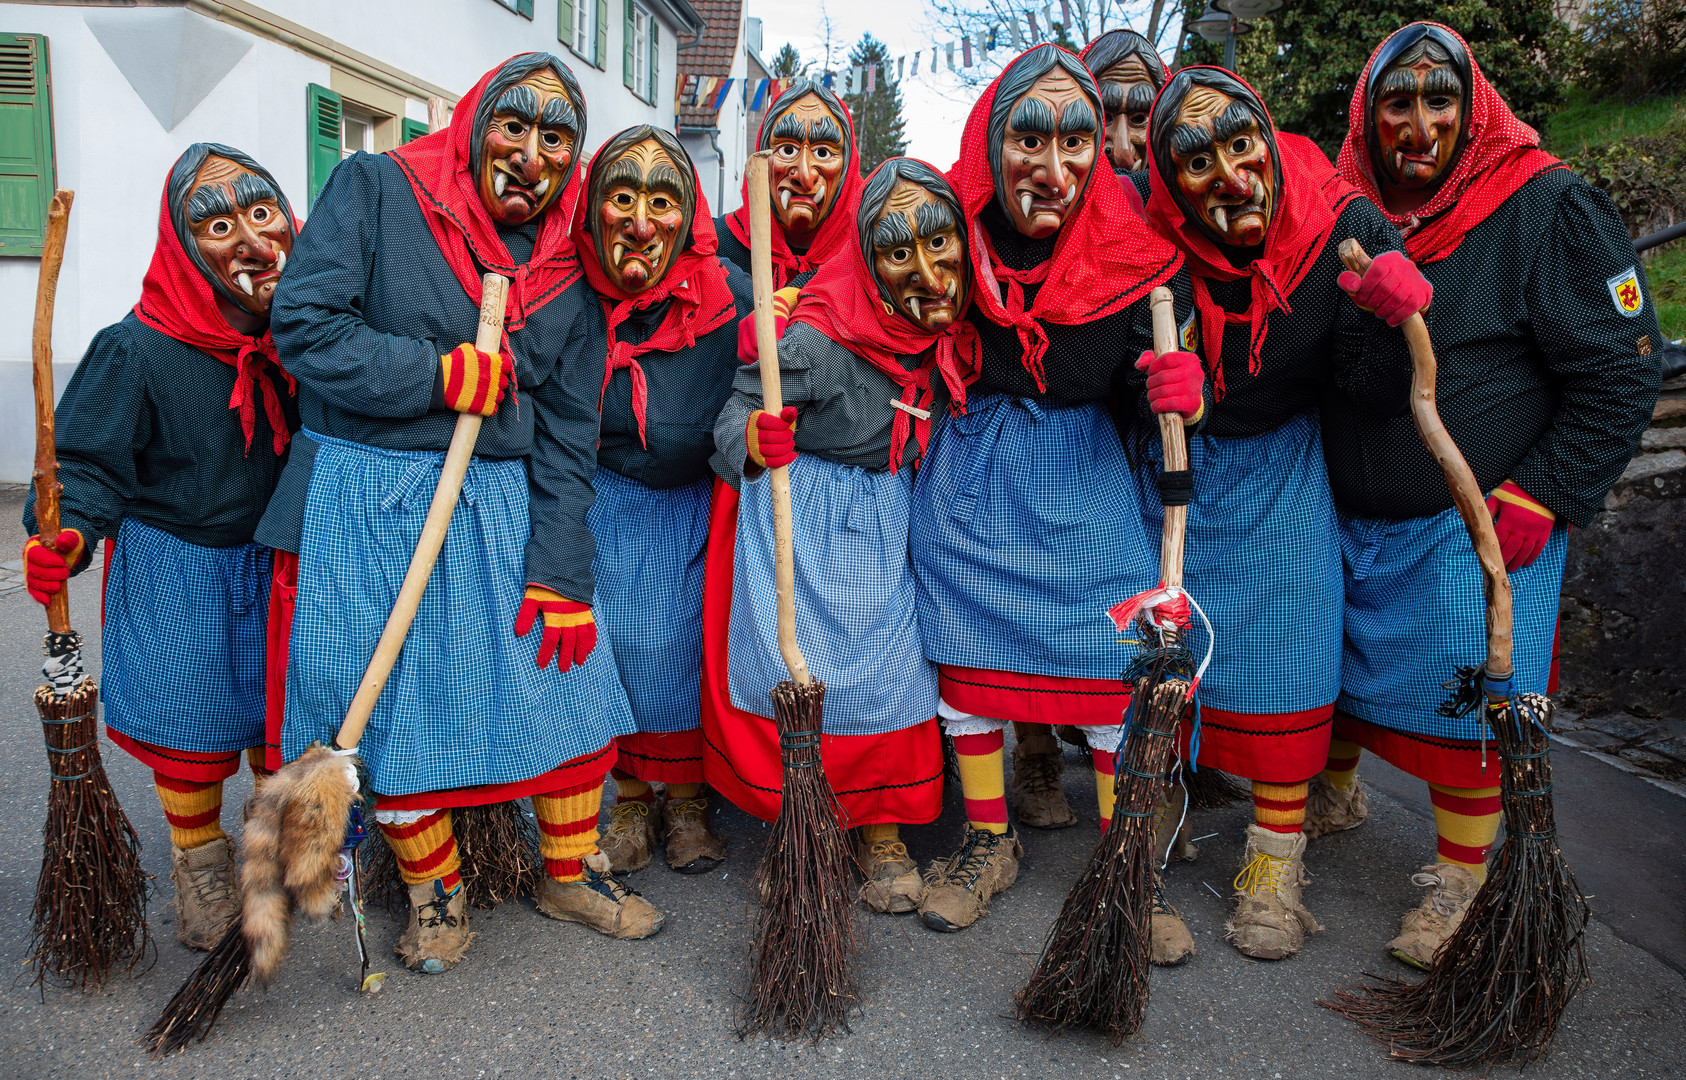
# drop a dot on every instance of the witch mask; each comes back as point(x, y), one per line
point(1418, 113)
point(914, 246)
point(1049, 137)
point(809, 155)
point(238, 229)
point(1226, 175)
point(644, 190)
point(527, 144)
point(1127, 94)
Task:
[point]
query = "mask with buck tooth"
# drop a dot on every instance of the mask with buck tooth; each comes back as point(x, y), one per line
point(1044, 137)
point(234, 223)
point(1418, 98)
point(812, 150)
point(911, 238)
point(643, 188)
point(531, 119)
point(1214, 147)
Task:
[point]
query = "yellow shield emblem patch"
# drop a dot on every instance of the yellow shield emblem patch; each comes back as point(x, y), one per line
point(1189, 333)
point(1625, 291)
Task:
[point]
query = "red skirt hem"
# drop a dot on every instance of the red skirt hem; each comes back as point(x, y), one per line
point(670, 757)
point(1274, 748)
point(892, 778)
point(195, 766)
point(1032, 699)
point(1449, 762)
point(579, 772)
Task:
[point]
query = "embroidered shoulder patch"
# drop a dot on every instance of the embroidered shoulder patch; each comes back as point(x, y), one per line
point(1189, 333)
point(1625, 291)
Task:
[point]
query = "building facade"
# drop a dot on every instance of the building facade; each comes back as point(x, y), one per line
point(102, 96)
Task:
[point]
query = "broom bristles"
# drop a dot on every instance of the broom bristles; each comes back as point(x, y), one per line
point(1212, 789)
point(1501, 982)
point(90, 899)
point(801, 979)
point(194, 1009)
point(499, 847)
point(1094, 967)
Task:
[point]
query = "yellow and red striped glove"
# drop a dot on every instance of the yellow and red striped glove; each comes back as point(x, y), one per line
point(46, 567)
point(784, 302)
point(570, 631)
point(475, 381)
point(1522, 523)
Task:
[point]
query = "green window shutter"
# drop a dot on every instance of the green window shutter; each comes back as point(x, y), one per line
point(655, 59)
point(524, 8)
point(322, 124)
point(600, 49)
point(565, 21)
point(628, 65)
point(27, 172)
point(411, 129)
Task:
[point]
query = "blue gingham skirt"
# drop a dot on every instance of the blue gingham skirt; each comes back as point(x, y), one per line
point(1416, 612)
point(1027, 527)
point(649, 571)
point(1263, 562)
point(182, 648)
point(466, 703)
point(855, 618)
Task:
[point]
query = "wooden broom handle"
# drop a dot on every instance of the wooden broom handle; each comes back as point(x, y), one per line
point(487, 338)
point(47, 488)
point(1176, 444)
point(1466, 493)
point(772, 400)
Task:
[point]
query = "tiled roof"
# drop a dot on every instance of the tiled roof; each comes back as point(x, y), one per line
point(713, 55)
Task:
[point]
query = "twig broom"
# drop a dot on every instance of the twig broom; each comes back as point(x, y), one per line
point(801, 979)
point(304, 822)
point(1500, 983)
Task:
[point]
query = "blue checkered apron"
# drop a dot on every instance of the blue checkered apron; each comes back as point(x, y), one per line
point(855, 618)
point(183, 643)
point(1027, 527)
point(1416, 612)
point(1263, 562)
point(466, 704)
point(649, 571)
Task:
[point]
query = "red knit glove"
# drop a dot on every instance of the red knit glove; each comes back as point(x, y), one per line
point(1393, 288)
point(772, 439)
point(784, 301)
point(1174, 382)
point(570, 631)
point(46, 568)
point(1522, 523)
point(475, 381)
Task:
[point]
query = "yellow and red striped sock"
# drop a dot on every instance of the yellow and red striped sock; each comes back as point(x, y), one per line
point(1106, 786)
point(568, 828)
point(426, 849)
point(255, 758)
point(1467, 822)
point(684, 791)
point(629, 788)
point(1280, 807)
point(194, 810)
point(983, 779)
point(1341, 769)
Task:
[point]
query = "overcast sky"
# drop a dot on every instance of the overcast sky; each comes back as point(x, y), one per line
point(934, 110)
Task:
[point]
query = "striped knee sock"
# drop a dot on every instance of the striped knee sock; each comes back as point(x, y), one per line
point(193, 810)
point(568, 828)
point(684, 791)
point(1341, 769)
point(1280, 807)
point(629, 788)
point(982, 780)
point(1467, 821)
point(255, 758)
point(426, 849)
point(1105, 784)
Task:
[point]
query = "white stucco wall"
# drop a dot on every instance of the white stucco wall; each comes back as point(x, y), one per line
point(114, 153)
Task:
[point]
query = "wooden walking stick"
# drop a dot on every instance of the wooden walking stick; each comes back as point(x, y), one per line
point(1094, 967)
point(304, 822)
point(802, 968)
point(90, 900)
point(1500, 983)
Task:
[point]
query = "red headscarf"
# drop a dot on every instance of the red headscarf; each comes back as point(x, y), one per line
point(1500, 154)
point(695, 283)
point(842, 302)
point(177, 301)
point(1104, 260)
point(1309, 198)
point(449, 194)
point(835, 233)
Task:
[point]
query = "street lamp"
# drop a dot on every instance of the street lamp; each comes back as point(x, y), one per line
point(1218, 24)
point(1238, 11)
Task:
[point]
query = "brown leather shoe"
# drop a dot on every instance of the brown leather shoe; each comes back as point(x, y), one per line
point(1331, 809)
point(604, 903)
point(1038, 796)
point(1426, 927)
point(691, 847)
point(893, 885)
point(958, 889)
point(438, 934)
point(206, 896)
point(630, 837)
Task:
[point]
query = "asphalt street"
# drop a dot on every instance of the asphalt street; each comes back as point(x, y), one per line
point(538, 998)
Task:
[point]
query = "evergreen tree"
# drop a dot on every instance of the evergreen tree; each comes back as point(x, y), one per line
point(788, 63)
point(878, 115)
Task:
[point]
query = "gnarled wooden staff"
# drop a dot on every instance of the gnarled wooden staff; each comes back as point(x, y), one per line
point(801, 979)
point(1500, 983)
point(304, 822)
point(90, 900)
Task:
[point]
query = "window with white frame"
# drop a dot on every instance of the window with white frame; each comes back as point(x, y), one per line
point(641, 51)
point(581, 38)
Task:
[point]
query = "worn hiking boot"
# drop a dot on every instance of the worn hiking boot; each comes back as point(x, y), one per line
point(604, 903)
point(1170, 941)
point(958, 889)
point(893, 885)
point(1426, 927)
point(691, 847)
point(438, 934)
point(206, 897)
point(630, 837)
point(1331, 809)
point(1269, 922)
point(1173, 826)
point(1038, 796)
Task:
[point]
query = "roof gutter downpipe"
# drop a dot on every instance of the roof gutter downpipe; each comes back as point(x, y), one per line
point(720, 157)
